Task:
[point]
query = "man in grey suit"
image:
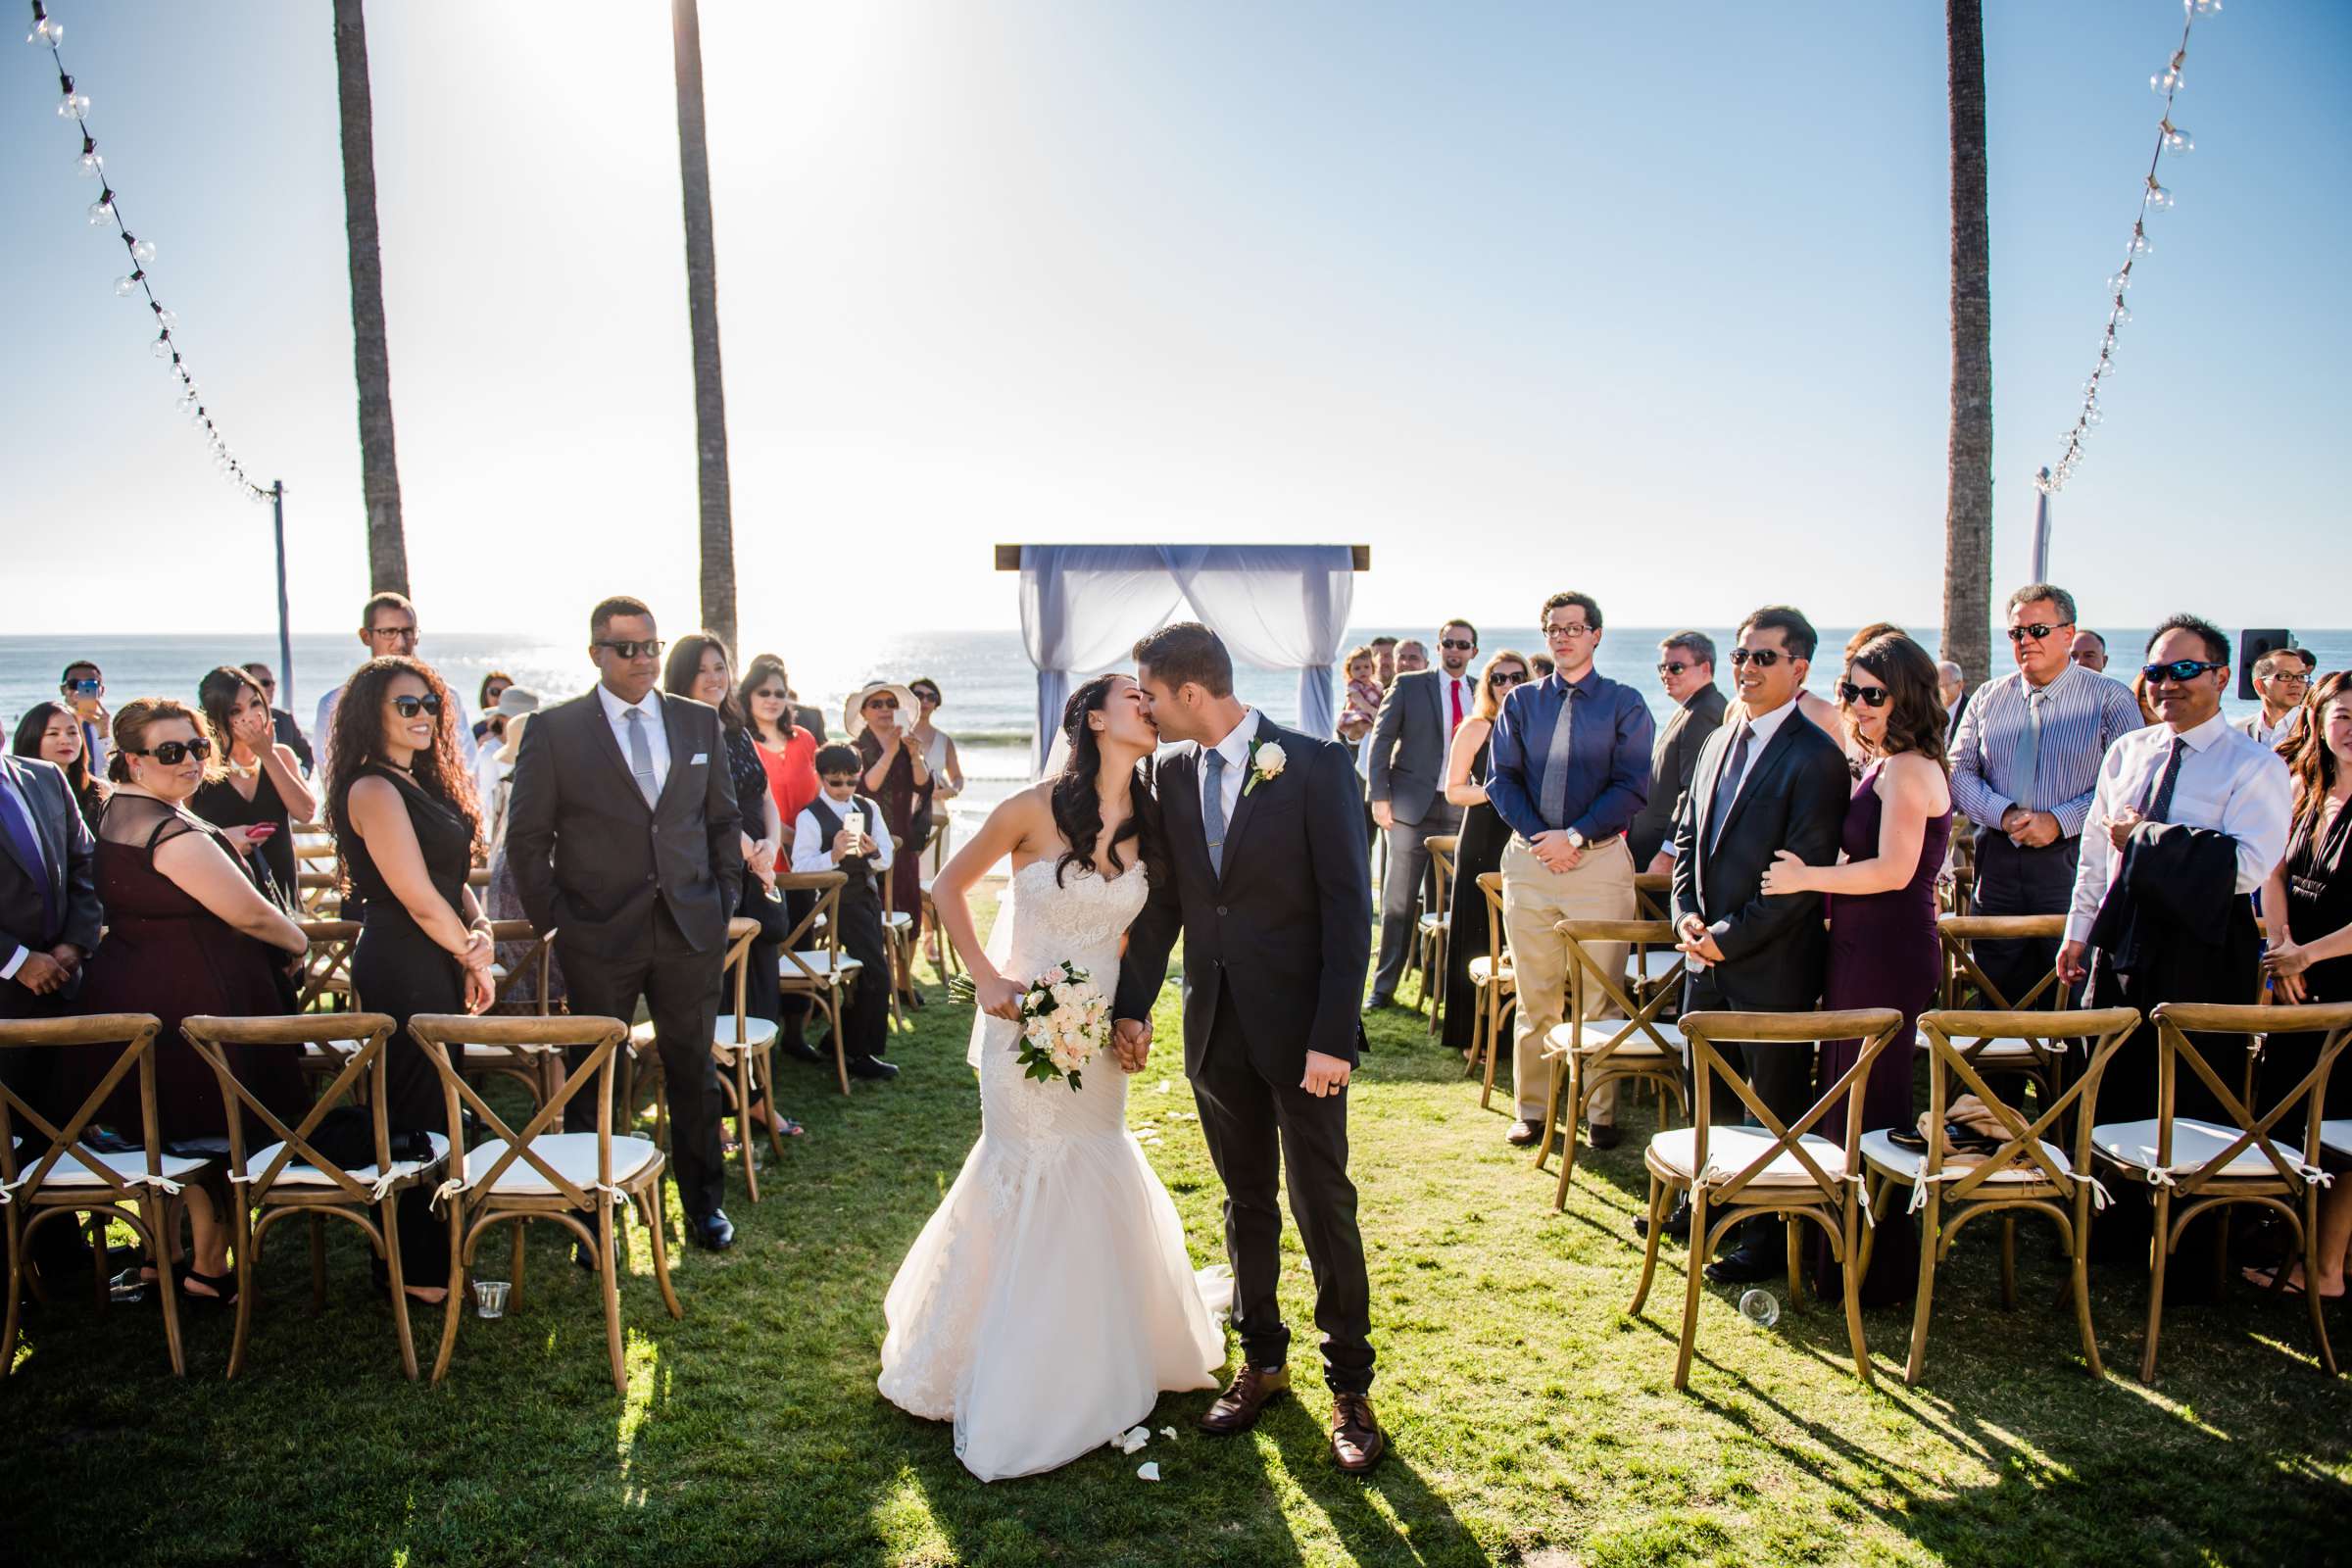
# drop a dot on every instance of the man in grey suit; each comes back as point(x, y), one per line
point(1404, 777)
point(1686, 669)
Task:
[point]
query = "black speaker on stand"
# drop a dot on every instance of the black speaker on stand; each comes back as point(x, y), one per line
point(2252, 644)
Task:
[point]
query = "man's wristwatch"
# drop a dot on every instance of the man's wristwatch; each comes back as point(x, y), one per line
point(1576, 840)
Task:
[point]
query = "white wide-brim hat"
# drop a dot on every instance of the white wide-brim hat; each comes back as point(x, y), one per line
point(513, 748)
point(852, 711)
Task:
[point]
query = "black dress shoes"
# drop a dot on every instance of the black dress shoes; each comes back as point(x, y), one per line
point(1744, 1267)
point(1378, 1003)
point(1678, 1223)
point(1604, 1135)
point(802, 1051)
point(712, 1232)
point(873, 1067)
point(581, 1252)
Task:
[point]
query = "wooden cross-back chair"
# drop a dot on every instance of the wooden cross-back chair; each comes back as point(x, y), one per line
point(812, 964)
point(519, 1177)
point(1639, 1050)
point(2190, 1166)
point(63, 1175)
point(2041, 1059)
point(2029, 1171)
point(1653, 894)
point(289, 1175)
point(745, 1051)
point(1495, 985)
point(1433, 927)
point(319, 893)
point(898, 936)
point(1774, 1167)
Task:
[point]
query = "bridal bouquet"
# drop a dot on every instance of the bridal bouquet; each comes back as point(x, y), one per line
point(1065, 1021)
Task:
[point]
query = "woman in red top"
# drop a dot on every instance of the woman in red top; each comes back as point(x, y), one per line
point(788, 753)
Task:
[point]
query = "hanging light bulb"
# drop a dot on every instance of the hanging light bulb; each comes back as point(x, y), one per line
point(2160, 200)
point(2177, 139)
point(89, 164)
point(2201, 8)
point(2169, 81)
point(47, 32)
point(101, 211)
point(2140, 243)
point(128, 284)
point(2120, 315)
point(142, 251)
point(161, 348)
point(2117, 282)
point(74, 106)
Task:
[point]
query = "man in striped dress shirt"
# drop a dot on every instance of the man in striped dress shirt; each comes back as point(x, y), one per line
point(2025, 765)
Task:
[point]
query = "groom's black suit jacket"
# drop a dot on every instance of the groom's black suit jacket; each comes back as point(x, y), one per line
point(1288, 926)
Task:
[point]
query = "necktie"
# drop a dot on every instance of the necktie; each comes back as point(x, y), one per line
point(1213, 811)
point(641, 755)
point(17, 824)
point(2028, 754)
point(1727, 788)
point(1555, 802)
point(2157, 804)
point(1456, 687)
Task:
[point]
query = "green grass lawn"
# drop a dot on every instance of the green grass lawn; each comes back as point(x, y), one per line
point(1532, 1420)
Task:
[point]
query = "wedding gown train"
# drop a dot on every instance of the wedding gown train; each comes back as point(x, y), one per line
point(1049, 1301)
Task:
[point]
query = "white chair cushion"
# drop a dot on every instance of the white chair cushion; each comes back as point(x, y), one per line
point(300, 1175)
point(70, 1171)
point(1635, 1046)
point(1881, 1152)
point(2133, 1145)
point(842, 965)
point(572, 1155)
point(1482, 971)
point(757, 1032)
point(2335, 1137)
point(2011, 1050)
point(898, 919)
point(1437, 922)
point(1659, 963)
point(1730, 1149)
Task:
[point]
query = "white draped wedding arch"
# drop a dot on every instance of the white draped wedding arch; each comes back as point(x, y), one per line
point(1278, 606)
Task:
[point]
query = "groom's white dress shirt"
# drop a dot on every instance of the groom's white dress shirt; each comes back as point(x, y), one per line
point(657, 736)
point(1235, 749)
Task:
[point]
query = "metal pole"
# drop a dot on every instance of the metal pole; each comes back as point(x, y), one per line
point(285, 639)
point(2041, 532)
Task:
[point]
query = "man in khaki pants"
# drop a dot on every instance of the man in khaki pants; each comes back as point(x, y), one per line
point(1568, 770)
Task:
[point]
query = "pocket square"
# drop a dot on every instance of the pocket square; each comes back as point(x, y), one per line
point(699, 757)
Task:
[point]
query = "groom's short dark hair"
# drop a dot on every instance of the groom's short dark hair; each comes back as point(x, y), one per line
point(1187, 651)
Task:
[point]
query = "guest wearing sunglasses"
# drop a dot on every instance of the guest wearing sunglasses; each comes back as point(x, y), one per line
point(2180, 926)
point(1884, 950)
point(402, 807)
point(82, 685)
point(1404, 775)
point(1770, 780)
point(260, 794)
point(282, 724)
point(1482, 837)
point(626, 840)
point(1686, 671)
point(2025, 760)
point(188, 931)
point(900, 780)
point(1568, 774)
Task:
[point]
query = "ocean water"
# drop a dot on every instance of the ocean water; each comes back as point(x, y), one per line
point(987, 680)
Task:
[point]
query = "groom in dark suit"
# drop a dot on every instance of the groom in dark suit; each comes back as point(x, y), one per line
point(1269, 887)
point(1768, 780)
point(49, 920)
point(624, 837)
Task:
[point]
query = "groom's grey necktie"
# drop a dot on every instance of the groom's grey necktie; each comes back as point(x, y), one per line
point(1212, 810)
point(641, 755)
point(1554, 802)
point(1727, 788)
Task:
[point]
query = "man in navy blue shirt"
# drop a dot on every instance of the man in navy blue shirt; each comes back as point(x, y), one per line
point(1568, 770)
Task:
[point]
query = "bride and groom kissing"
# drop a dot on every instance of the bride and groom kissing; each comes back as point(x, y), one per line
point(1049, 1301)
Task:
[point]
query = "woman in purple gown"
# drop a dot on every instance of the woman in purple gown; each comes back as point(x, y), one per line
point(1881, 903)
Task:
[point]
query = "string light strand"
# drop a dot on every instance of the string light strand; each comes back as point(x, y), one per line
point(74, 106)
point(2154, 197)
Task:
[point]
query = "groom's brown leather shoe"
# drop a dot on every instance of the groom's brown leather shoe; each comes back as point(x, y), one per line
point(1357, 1441)
point(1235, 1409)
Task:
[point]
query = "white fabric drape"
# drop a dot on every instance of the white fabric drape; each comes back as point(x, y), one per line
point(1278, 606)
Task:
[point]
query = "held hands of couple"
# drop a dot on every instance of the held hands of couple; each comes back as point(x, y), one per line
point(44, 972)
point(2285, 962)
point(1131, 1043)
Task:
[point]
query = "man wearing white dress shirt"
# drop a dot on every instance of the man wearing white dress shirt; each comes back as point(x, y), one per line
point(2193, 770)
point(388, 626)
point(1404, 774)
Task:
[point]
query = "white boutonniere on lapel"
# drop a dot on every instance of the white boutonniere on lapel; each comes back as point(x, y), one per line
point(1267, 759)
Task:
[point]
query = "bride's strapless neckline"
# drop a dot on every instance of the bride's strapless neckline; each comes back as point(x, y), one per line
point(1050, 862)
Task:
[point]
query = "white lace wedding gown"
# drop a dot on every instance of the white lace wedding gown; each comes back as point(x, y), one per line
point(1049, 1301)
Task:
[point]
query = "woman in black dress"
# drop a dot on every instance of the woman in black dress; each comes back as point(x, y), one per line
point(401, 804)
point(698, 667)
point(259, 797)
point(1480, 849)
point(899, 781)
point(52, 732)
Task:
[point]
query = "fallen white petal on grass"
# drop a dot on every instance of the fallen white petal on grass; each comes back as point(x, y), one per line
point(1168, 1433)
point(1133, 1439)
point(1148, 1471)
point(1165, 1085)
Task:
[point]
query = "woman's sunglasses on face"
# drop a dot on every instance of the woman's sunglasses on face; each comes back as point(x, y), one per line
point(1868, 696)
point(173, 753)
point(925, 695)
point(1506, 677)
point(410, 707)
point(889, 704)
point(768, 694)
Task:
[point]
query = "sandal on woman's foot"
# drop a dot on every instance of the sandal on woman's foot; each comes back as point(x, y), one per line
point(2267, 1279)
point(788, 1127)
point(220, 1290)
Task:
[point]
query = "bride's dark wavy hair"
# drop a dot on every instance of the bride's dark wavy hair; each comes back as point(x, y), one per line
point(1077, 809)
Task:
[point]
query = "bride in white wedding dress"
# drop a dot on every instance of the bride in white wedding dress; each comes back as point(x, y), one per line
point(1049, 1302)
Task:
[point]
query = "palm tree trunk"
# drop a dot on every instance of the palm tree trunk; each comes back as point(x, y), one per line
point(1968, 496)
point(379, 468)
point(717, 532)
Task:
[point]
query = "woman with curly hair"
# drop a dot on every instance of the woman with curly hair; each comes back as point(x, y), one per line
point(1882, 901)
point(400, 800)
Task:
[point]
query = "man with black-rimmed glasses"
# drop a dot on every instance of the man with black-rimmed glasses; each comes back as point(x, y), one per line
point(2024, 764)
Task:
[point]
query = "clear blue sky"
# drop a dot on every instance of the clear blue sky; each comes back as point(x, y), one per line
point(1646, 299)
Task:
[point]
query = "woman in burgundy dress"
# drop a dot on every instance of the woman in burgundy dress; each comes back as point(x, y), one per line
point(1882, 902)
point(187, 931)
point(900, 782)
